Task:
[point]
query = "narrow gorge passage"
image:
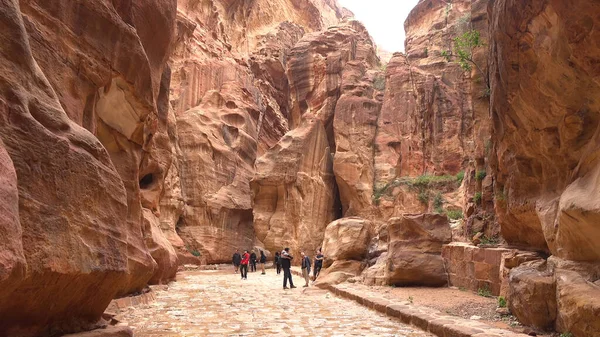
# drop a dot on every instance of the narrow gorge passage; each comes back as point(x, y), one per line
point(218, 303)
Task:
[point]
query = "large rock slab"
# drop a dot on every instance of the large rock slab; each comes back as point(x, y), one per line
point(218, 146)
point(414, 251)
point(532, 295)
point(346, 239)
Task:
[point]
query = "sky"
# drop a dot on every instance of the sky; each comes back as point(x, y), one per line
point(384, 19)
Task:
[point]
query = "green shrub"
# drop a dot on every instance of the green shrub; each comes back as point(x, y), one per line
point(426, 52)
point(484, 291)
point(477, 198)
point(460, 177)
point(455, 214)
point(438, 203)
point(566, 334)
point(488, 241)
point(501, 302)
point(480, 175)
point(379, 83)
point(424, 197)
point(193, 251)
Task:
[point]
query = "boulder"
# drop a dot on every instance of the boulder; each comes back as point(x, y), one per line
point(414, 252)
point(346, 239)
point(532, 295)
point(578, 297)
point(340, 272)
point(160, 249)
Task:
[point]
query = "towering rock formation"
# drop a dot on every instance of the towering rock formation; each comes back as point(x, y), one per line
point(230, 95)
point(80, 103)
point(545, 107)
point(295, 190)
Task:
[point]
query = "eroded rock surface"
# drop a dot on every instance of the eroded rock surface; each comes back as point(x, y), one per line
point(346, 239)
point(545, 128)
point(413, 255)
point(294, 190)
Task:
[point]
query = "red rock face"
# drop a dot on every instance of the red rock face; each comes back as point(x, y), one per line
point(545, 131)
point(12, 261)
point(294, 190)
point(68, 67)
point(230, 95)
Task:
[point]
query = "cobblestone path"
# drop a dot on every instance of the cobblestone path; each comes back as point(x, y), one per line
point(217, 303)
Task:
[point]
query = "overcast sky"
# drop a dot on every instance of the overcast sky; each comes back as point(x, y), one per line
point(384, 19)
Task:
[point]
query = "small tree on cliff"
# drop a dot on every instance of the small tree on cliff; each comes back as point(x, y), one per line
point(464, 47)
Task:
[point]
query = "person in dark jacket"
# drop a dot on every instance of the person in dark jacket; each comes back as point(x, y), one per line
point(318, 264)
point(236, 259)
point(305, 268)
point(286, 263)
point(244, 265)
point(252, 261)
point(263, 260)
point(278, 262)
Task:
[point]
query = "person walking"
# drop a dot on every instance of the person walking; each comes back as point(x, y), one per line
point(278, 262)
point(286, 264)
point(305, 268)
point(318, 264)
point(244, 265)
point(253, 261)
point(236, 259)
point(263, 260)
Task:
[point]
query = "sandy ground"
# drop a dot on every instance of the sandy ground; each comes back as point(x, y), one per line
point(456, 302)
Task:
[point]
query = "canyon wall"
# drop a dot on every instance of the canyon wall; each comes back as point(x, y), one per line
point(230, 95)
point(139, 135)
point(82, 96)
point(544, 105)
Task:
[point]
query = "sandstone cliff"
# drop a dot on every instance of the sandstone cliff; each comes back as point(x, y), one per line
point(139, 135)
point(230, 93)
point(82, 95)
point(544, 107)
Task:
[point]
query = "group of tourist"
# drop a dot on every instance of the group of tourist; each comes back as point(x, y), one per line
point(241, 262)
point(283, 260)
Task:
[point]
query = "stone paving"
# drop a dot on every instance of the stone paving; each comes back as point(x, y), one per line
point(218, 303)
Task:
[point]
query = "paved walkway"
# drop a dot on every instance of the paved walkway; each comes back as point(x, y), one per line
point(217, 303)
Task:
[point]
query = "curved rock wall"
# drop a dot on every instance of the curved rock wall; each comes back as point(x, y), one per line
point(81, 92)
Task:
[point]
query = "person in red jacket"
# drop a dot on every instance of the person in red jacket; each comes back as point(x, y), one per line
point(244, 265)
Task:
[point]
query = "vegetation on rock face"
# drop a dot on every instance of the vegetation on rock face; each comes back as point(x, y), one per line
point(455, 214)
point(379, 82)
point(464, 47)
point(488, 240)
point(480, 175)
point(438, 203)
point(501, 302)
point(425, 185)
point(460, 177)
point(477, 198)
point(193, 251)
